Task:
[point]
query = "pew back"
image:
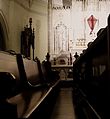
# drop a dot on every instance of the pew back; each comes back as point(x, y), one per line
point(9, 75)
point(8, 64)
point(29, 71)
point(28, 101)
point(32, 72)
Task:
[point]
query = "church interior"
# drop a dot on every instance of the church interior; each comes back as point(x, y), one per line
point(54, 59)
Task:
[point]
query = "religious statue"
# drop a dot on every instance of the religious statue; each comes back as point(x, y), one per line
point(27, 40)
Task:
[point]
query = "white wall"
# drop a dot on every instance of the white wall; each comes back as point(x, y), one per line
point(16, 13)
point(40, 17)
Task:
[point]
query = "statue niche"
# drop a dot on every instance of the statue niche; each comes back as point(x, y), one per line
point(27, 40)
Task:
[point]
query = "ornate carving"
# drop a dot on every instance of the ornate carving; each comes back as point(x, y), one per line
point(27, 40)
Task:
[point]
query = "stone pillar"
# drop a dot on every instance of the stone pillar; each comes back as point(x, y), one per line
point(49, 22)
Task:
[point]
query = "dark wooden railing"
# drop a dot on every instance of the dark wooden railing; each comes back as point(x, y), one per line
point(91, 74)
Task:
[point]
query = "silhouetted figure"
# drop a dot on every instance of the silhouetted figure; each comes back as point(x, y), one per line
point(48, 65)
point(76, 55)
point(49, 73)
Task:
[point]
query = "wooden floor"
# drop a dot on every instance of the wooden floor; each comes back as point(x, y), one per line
point(64, 108)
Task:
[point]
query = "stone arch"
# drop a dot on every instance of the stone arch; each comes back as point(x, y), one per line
point(3, 32)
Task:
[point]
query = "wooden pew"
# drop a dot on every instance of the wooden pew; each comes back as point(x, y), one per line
point(9, 66)
point(27, 96)
point(91, 74)
point(9, 84)
point(32, 103)
point(29, 72)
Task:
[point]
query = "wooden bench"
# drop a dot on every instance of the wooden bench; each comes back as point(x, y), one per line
point(26, 91)
point(9, 71)
point(9, 84)
point(29, 72)
point(32, 102)
point(91, 74)
point(32, 72)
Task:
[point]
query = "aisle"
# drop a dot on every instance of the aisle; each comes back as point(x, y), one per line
point(64, 107)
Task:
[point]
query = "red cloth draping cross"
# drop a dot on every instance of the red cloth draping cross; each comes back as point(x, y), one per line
point(92, 21)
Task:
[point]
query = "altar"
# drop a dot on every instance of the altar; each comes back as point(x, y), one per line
point(66, 71)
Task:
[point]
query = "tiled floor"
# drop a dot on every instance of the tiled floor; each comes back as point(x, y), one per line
point(64, 107)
